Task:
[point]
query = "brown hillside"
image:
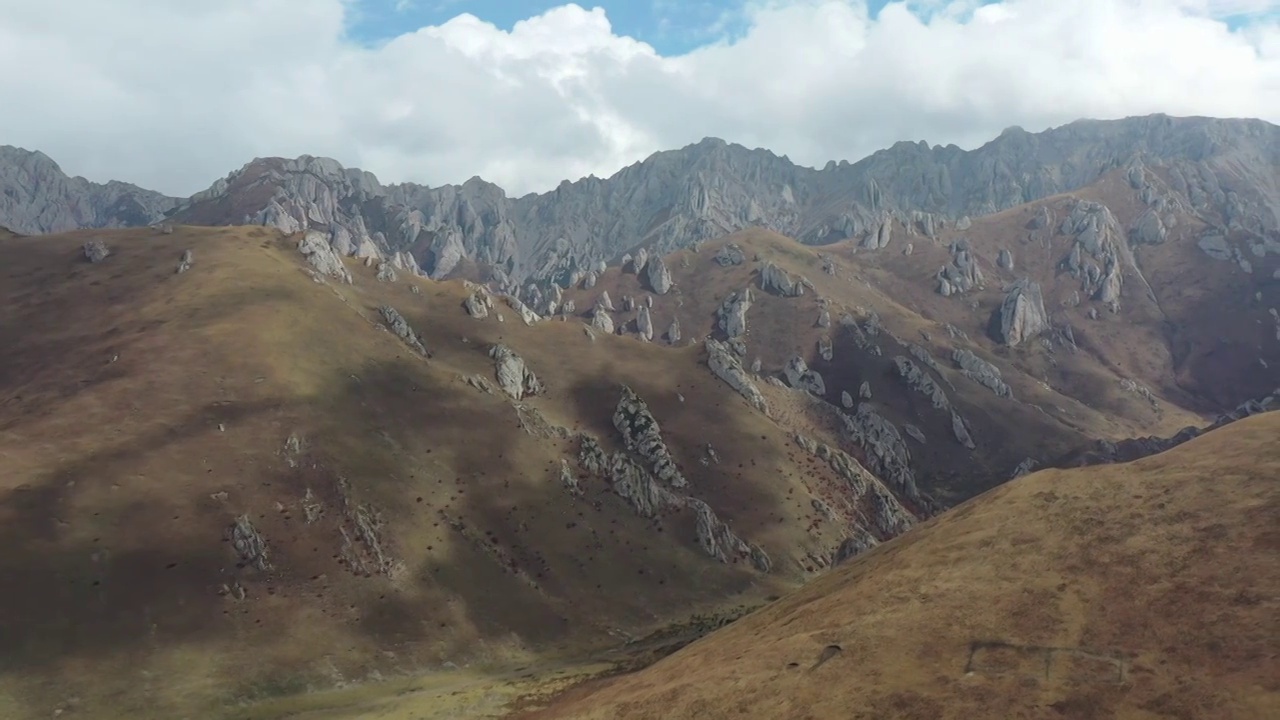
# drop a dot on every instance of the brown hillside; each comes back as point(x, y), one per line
point(416, 521)
point(1145, 590)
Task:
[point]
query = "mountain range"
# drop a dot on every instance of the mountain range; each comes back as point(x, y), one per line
point(304, 445)
point(1222, 170)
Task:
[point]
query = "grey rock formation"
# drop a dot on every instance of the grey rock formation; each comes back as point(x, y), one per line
point(644, 324)
point(799, 376)
point(960, 429)
point(659, 276)
point(726, 366)
point(478, 303)
point(886, 453)
point(719, 541)
point(514, 376)
point(249, 544)
point(673, 332)
point(1024, 468)
point(920, 381)
point(605, 302)
point(642, 435)
point(95, 251)
point(647, 497)
point(908, 248)
point(775, 280)
point(732, 316)
point(962, 274)
point(888, 518)
point(628, 303)
point(1021, 315)
point(527, 315)
point(386, 273)
point(826, 350)
point(981, 372)
point(824, 318)
point(846, 399)
point(639, 262)
point(185, 262)
point(1149, 229)
point(318, 252)
point(601, 320)
point(1005, 260)
point(401, 328)
point(728, 255)
point(864, 390)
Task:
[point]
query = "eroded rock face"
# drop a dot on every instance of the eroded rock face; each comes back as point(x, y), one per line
point(981, 372)
point(888, 518)
point(642, 436)
point(719, 541)
point(775, 280)
point(386, 272)
point(316, 249)
point(514, 377)
point(1021, 314)
point(726, 366)
point(800, 377)
point(527, 315)
point(401, 328)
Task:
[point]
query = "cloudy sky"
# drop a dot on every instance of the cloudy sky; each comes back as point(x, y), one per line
point(172, 94)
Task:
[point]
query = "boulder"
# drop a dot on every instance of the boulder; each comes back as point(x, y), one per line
point(726, 366)
point(799, 376)
point(95, 251)
point(1005, 260)
point(981, 372)
point(185, 262)
point(1021, 315)
point(322, 257)
point(644, 324)
point(659, 276)
point(733, 313)
point(398, 325)
point(775, 280)
point(514, 376)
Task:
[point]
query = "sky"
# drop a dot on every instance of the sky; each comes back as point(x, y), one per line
point(173, 94)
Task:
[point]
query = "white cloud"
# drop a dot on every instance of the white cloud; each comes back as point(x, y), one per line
point(174, 94)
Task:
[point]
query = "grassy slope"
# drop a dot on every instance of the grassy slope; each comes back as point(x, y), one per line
point(113, 514)
point(1156, 580)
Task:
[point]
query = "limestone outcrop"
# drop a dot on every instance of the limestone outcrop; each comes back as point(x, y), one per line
point(513, 375)
point(1021, 315)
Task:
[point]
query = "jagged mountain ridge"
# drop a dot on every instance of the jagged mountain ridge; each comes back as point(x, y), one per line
point(36, 196)
point(1224, 170)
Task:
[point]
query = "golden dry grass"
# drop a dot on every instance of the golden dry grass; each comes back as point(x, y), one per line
point(1147, 590)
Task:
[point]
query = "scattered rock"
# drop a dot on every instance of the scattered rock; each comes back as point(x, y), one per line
point(800, 377)
point(1024, 468)
point(824, 318)
point(726, 366)
point(186, 261)
point(922, 382)
point(886, 453)
point(386, 273)
point(604, 302)
point(1005, 260)
point(981, 372)
point(642, 436)
point(864, 391)
point(729, 254)
point(846, 399)
point(478, 304)
point(774, 279)
point(526, 314)
point(322, 257)
point(601, 320)
point(825, 348)
point(401, 328)
point(514, 377)
point(95, 251)
point(249, 544)
point(962, 274)
point(673, 332)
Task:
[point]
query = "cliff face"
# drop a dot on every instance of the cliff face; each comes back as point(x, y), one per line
point(1225, 171)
